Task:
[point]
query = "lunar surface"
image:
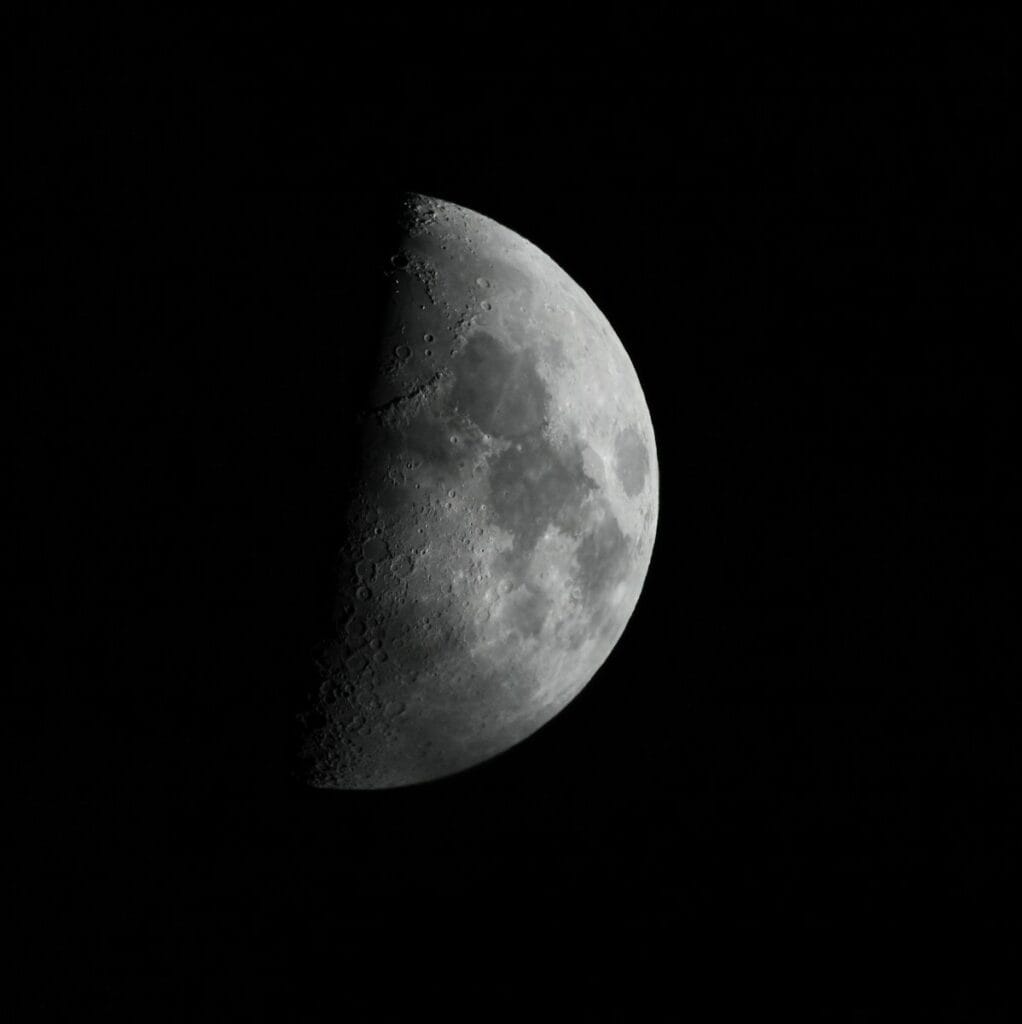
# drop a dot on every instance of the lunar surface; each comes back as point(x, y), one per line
point(502, 518)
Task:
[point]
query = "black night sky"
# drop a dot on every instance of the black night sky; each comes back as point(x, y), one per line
point(808, 737)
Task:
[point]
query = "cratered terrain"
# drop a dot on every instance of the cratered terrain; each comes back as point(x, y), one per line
point(502, 514)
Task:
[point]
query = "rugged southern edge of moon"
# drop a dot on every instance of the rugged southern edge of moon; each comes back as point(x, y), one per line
point(504, 515)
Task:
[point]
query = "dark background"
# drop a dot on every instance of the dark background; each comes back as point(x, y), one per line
point(808, 737)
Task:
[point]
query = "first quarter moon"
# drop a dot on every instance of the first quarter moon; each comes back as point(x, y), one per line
point(502, 514)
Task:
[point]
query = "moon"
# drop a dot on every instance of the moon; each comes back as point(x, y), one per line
point(502, 515)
